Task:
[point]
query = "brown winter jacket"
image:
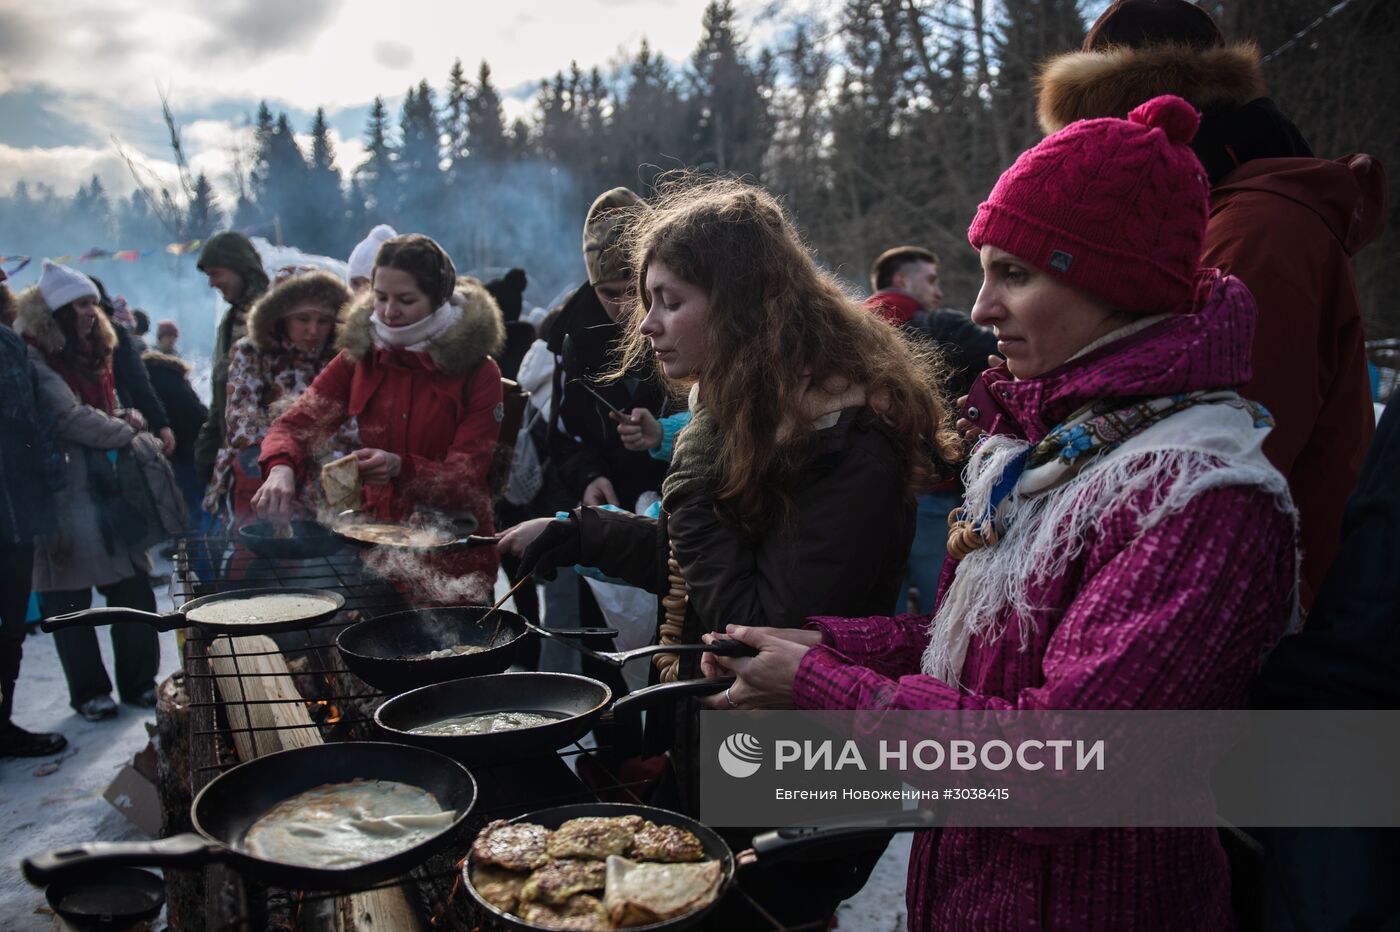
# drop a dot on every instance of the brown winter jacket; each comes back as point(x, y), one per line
point(846, 550)
point(845, 554)
point(1287, 227)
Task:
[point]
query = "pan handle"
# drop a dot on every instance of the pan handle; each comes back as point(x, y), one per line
point(572, 632)
point(580, 632)
point(727, 647)
point(92, 617)
point(665, 692)
point(783, 842)
point(471, 540)
point(187, 850)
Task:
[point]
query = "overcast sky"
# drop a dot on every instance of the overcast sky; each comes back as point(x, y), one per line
point(76, 74)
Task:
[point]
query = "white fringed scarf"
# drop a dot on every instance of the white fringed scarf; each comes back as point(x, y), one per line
point(1207, 446)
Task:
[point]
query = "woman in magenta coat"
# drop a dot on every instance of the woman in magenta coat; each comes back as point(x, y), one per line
point(1124, 544)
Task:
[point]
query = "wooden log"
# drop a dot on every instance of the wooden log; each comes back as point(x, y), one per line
point(249, 670)
point(246, 683)
point(385, 910)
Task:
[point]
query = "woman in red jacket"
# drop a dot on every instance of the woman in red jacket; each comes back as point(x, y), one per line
point(415, 371)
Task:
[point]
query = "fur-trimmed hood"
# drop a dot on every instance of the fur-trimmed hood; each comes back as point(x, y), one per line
point(166, 361)
point(36, 322)
point(479, 333)
point(320, 287)
point(1087, 85)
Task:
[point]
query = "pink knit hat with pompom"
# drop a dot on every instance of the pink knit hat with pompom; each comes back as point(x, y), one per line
point(1115, 207)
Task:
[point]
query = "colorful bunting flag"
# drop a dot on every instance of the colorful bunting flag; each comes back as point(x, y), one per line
point(120, 255)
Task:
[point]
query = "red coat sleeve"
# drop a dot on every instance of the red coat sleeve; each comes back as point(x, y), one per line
point(459, 479)
point(319, 411)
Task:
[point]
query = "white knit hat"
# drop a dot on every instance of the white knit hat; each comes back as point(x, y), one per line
point(59, 285)
point(362, 256)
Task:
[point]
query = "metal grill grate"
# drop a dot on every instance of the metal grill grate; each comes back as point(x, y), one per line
point(505, 791)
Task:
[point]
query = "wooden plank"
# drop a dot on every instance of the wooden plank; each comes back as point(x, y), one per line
point(385, 910)
point(249, 671)
point(245, 683)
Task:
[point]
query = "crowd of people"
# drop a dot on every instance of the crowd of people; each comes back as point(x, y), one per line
point(1118, 483)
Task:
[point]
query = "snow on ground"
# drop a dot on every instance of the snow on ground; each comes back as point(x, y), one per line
point(879, 907)
point(39, 813)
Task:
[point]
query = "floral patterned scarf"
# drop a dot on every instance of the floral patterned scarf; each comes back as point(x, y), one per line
point(1091, 432)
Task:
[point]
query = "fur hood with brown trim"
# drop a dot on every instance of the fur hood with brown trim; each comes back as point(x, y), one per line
point(36, 322)
point(1087, 85)
point(318, 287)
point(480, 332)
point(166, 361)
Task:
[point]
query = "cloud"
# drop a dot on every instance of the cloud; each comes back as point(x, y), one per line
point(213, 148)
point(75, 75)
point(42, 116)
point(66, 168)
point(253, 29)
point(19, 46)
point(394, 55)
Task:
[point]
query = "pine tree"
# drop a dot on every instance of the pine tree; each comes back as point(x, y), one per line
point(420, 175)
point(648, 121)
point(454, 119)
point(418, 133)
point(203, 216)
point(358, 218)
point(136, 224)
point(486, 135)
point(732, 124)
point(519, 140)
point(246, 215)
point(264, 127)
point(555, 107)
point(325, 202)
point(286, 183)
point(377, 175)
point(91, 212)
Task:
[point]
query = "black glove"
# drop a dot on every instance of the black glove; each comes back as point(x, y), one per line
point(557, 545)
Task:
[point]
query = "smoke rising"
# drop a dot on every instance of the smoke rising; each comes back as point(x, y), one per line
point(422, 580)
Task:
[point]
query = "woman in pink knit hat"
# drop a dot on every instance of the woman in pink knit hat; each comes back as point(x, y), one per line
point(1123, 543)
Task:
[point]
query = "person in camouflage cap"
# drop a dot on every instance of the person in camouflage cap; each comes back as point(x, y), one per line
point(236, 272)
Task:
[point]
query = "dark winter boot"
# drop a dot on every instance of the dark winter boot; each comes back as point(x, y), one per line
point(16, 742)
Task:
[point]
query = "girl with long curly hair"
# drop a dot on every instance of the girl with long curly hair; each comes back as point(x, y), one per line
point(791, 491)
